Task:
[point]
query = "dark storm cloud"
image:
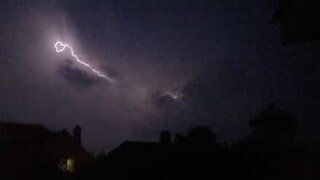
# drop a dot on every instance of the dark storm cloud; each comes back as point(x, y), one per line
point(77, 77)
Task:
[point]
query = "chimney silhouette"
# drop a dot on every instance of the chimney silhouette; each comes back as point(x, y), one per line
point(77, 134)
point(165, 137)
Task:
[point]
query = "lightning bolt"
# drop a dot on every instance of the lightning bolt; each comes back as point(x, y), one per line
point(60, 47)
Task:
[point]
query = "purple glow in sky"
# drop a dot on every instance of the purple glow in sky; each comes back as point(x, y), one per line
point(209, 62)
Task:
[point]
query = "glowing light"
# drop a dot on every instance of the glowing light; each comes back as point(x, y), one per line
point(175, 96)
point(70, 165)
point(66, 165)
point(60, 47)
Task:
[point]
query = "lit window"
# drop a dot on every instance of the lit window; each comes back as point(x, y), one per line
point(70, 165)
point(66, 165)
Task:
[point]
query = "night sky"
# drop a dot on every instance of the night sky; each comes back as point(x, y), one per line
point(177, 64)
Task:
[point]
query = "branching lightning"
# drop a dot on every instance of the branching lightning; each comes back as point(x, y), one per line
point(60, 47)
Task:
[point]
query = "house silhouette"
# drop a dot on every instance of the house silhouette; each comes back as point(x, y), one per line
point(27, 150)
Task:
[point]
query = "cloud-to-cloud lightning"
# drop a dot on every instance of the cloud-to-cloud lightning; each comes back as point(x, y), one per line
point(60, 47)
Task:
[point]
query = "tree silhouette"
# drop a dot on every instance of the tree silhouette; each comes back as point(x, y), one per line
point(298, 20)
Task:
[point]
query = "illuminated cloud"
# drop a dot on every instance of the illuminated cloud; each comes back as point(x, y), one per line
point(60, 47)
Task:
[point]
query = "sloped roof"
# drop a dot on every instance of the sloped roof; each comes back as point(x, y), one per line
point(56, 143)
point(135, 146)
